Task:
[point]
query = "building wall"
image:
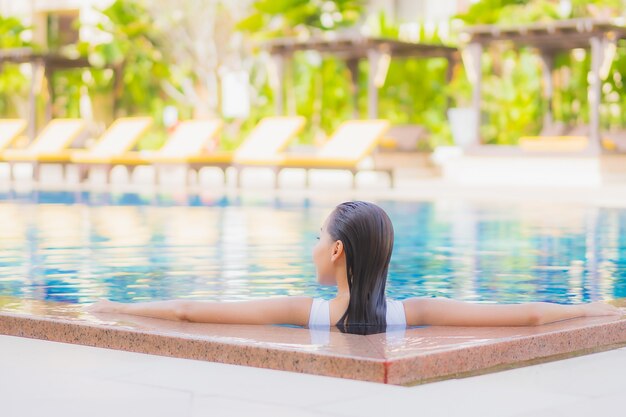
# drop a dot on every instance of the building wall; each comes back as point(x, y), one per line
point(28, 7)
point(35, 13)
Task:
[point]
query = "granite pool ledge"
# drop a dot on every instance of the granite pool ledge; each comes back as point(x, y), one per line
point(399, 357)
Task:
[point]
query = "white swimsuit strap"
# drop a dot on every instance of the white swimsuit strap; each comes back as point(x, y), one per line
point(320, 313)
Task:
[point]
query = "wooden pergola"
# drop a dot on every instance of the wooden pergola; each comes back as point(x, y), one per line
point(353, 49)
point(49, 63)
point(549, 39)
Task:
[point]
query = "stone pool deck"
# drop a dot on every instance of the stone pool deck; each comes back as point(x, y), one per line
point(52, 379)
point(399, 357)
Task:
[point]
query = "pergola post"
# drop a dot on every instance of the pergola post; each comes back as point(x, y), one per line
point(353, 67)
point(472, 55)
point(279, 88)
point(32, 101)
point(547, 64)
point(49, 74)
point(595, 91)
point(372, 90)
point(449, 75)
point(289, 83)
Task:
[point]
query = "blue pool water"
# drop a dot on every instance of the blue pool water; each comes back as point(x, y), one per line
point(77, 247)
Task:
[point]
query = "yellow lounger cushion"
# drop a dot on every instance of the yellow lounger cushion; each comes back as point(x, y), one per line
point(554, 143)
point(23, 155)
point(146, 158)
point(212, 158)
point(315, 161)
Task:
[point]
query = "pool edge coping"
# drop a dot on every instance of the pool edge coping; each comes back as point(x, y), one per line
point(409, 369)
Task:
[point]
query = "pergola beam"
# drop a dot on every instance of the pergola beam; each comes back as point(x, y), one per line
point(353, 49)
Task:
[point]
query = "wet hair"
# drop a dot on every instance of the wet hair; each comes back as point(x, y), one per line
point(367, 236)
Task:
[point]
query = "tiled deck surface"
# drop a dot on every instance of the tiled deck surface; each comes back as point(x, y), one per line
point(397, 357)
point(50, 379)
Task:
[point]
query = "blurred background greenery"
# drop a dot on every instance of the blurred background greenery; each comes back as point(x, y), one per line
point(150, 55)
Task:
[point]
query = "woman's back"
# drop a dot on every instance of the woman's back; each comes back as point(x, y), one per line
point(320, 313)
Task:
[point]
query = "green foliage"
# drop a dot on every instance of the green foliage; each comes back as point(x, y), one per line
point(318, 93)
point(133, 50)
point(512, 102)
point(512, 111)
point(597, 8)
point(131, 66)
point(272, 18)
point(13, 84)
point(414, 91)
point(12, 32)
point(488, 11)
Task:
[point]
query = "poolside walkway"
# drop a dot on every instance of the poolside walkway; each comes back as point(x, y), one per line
point(40, 378)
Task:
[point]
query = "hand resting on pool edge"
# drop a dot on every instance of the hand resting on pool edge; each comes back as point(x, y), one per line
point(353, 253)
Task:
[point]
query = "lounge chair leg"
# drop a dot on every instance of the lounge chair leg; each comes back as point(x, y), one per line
point(157, 175)
point(353, 179)
point(276, 174)
point(63, 172)
point(83, 173)
point(130, 171)
point(392, 179)
point(11, 172)
point(109, 174)
point(36, 172)
point(307, 179)
point(237, 178)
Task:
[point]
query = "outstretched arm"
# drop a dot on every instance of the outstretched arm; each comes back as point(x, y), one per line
point(283, 310)
point(445, 312)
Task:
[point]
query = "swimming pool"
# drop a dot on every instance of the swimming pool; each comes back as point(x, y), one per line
point(77, 247)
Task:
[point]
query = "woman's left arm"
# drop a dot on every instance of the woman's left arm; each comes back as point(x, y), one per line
point(280, 310)
point(445, 312)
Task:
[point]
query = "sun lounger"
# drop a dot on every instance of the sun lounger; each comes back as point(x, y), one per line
point(50, 146)
point(262, 146)
point(349, 145)
point(190, 138)
point(10, 129)
point(118, 139)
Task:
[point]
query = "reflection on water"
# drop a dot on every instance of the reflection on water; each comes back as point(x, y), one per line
point(77, 247)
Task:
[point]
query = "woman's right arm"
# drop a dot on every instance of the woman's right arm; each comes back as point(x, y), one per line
point(280, 310)
point(445, 312)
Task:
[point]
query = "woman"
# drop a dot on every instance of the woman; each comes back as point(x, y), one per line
point(353, 253)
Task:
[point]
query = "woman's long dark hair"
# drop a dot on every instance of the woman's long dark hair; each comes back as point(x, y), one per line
point(367, 236)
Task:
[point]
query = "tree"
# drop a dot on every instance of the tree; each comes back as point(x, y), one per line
point(274, 18)
point(132, 53)
point(518, 90)
point(13, 83)
point(201, 42)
